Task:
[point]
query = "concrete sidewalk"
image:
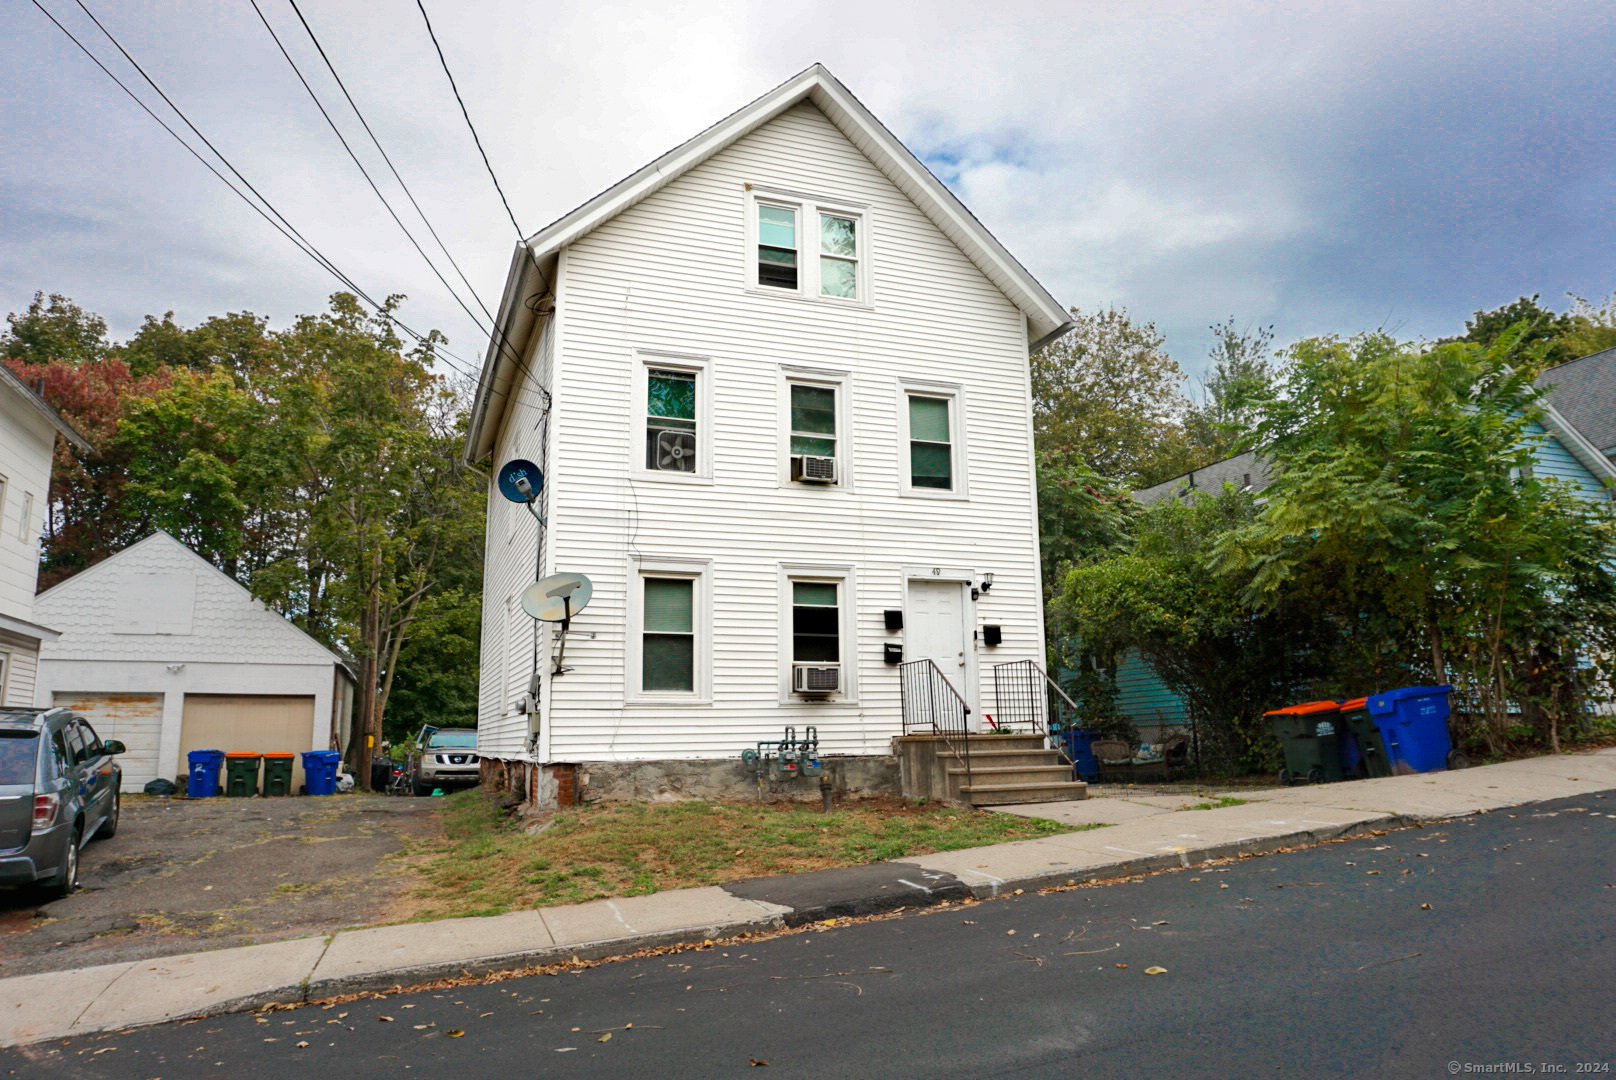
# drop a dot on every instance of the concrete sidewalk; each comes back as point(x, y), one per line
point(1142, 833)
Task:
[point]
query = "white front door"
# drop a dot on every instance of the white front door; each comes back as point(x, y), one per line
point(934, 629)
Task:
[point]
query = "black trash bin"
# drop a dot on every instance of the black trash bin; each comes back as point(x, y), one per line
point(1373, 758)
point(1309, 734)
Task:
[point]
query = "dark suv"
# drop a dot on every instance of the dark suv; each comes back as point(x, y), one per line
point(58, 788)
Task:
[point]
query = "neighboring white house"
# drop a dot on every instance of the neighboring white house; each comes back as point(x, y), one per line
point(164, 651)
point(789, 292)
point(28, 430)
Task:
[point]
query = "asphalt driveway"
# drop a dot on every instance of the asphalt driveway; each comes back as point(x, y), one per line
point(183, 875)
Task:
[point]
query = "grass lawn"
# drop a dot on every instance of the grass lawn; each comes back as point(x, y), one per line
point(485, 864)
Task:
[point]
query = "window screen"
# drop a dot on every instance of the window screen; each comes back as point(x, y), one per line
point(668, 656)
point(777, 247)
point(931, 451)
point(813, 420)
point(816, 624)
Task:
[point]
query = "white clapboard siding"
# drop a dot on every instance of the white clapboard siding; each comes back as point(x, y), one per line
point(27, 442)
point(668, 274)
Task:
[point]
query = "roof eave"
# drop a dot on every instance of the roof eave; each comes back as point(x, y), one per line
point(43, 407)
point(514, 322)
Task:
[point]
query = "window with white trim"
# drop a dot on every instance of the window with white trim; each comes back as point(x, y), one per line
point(670, 425)
point(671, 638)
point(808, 248)
point(668, 639)
point(2, 498)
point(817, 632)
point(25, 520)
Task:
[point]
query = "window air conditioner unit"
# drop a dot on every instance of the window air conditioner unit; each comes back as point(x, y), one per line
point(816, 678)
point(809, 469)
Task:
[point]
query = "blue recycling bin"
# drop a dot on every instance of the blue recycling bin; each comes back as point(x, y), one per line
point(1080, 748)
point(204, 765)
point(1414, 722)
point(320, 771)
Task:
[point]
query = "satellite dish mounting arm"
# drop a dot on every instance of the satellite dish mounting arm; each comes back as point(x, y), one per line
point(561, 647)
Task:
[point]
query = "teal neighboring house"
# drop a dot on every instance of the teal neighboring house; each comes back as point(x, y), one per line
point(1580, 448)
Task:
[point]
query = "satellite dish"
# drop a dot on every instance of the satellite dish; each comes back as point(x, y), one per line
point(558, 597)
point(514, 474)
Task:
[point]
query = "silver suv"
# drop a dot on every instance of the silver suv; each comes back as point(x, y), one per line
point(448, 759)
point(58, 788)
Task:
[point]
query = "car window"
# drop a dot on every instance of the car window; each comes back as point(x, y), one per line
point(17, 750)
point(92, 742)
point(75, 743)
point(64, 756)
point(455, 740)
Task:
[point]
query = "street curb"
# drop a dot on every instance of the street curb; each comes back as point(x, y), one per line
point(397, 978)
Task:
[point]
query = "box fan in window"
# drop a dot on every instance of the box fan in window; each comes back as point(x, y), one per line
point(675, 451)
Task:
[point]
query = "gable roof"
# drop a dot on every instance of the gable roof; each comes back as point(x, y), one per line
point(1583, 392)
point(1046, 318)
point(251, 614)
point(40, 405)
point(1212, 477)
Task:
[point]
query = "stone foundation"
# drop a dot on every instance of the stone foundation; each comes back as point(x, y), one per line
point(561, 784)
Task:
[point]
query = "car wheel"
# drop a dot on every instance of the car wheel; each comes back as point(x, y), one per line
point(418, 789)
point(109, 827)
point(67, 875)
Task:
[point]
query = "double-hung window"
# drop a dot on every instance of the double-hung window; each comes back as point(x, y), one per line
point(931, 443)
point(838, 256)
point(671, 435)
point(809, 248)
point(668, 636)
point(816, 622)
point(777, 246)
point(813, 420)
point(26, 520)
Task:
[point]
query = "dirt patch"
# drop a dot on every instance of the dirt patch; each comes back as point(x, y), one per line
point(184, 875)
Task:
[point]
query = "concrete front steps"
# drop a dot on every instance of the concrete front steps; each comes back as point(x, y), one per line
point(1016, 774)
point(1005, 769)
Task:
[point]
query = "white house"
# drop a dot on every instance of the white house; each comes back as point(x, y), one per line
point(778, 382)
point(28, 430)
point(164, 651)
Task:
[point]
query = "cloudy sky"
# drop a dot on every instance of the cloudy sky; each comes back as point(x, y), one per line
point(1325, 167)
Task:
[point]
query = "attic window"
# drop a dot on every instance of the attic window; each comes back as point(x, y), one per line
point(777, 246)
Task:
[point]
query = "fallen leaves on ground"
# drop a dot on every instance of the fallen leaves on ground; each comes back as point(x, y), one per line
point(456, 1033)
point(755, 1062)
point(1425, 907)
point(1155, 971)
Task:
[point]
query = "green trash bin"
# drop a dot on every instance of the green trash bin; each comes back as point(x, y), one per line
point(241, 774)
point(278, 773)
point(1309, 735)
point(1373, 760)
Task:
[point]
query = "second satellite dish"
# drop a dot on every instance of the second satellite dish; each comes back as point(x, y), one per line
point(517, 475)
point(558, 597)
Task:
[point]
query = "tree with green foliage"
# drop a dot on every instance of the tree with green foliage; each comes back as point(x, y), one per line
point(1592, 327)
point(1241, 372)
point(1109, 393)
point(1227, 661)
point(1404, 493)
point(1532, 324)
point(54, 329)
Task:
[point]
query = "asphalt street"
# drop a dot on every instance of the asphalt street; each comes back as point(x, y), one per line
point(1452, 949)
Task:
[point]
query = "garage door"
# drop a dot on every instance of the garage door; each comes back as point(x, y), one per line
point(254, 723)
point(136, 720)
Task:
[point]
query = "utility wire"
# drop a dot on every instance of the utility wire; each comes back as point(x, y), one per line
point(267, 211)
point(520, 235)
point(377, 143)
point(332, 124)
point(493, 320)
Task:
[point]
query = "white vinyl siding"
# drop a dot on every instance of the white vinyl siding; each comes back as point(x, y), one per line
point(674, 275)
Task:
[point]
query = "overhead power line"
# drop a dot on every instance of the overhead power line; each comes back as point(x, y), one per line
point(267, 210)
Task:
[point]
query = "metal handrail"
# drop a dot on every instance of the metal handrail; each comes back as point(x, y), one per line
point(929, 701)
point(1017, 693)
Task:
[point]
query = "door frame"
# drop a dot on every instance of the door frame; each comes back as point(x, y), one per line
point(964, 578)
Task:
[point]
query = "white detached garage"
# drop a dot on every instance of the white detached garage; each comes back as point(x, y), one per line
point(165, 652)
